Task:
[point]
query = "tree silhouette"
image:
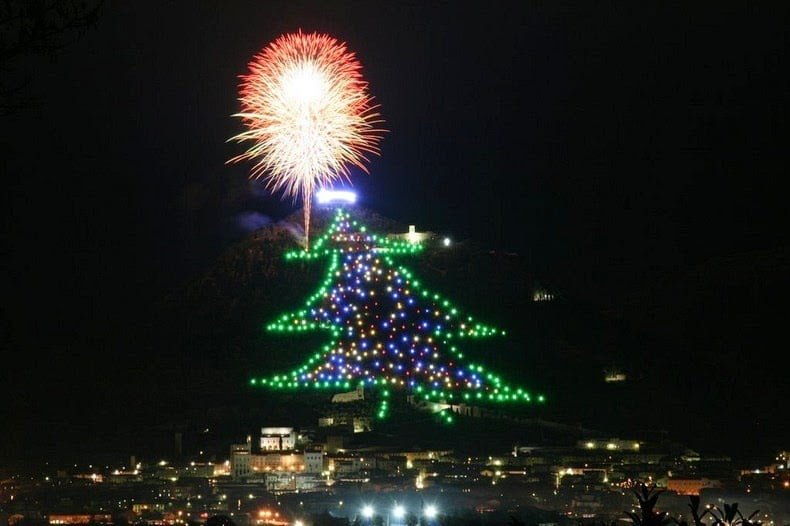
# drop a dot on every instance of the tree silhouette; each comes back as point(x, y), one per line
point(732, 516)
point(37, 27)
point(647, 497)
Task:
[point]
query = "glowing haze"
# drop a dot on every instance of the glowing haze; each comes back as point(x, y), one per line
point(308, 115)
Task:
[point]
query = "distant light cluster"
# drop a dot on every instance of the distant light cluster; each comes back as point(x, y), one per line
point(387, 330)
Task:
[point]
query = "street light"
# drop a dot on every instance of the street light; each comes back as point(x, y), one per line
point(430, 511)
point(399, 511)
point(367, 511)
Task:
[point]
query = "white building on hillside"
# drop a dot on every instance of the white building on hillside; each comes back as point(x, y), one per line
point(278, 438)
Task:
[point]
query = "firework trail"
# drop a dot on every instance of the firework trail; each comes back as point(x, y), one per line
point(308, 115)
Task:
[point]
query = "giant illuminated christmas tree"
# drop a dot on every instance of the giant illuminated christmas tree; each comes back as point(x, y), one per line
point(386, 331)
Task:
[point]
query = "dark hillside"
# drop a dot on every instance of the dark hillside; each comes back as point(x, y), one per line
point(184, 365)
point(206, 340)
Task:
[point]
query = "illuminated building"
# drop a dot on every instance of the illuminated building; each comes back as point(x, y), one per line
point(691, 486)
point(277, 455)
point(278, 439)
point(240, 459)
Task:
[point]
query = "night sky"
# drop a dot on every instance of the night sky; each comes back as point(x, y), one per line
point(613, 146)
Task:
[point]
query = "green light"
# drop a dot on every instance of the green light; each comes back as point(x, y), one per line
point(320, 307)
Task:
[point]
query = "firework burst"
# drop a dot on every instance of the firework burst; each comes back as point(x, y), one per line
point(308, 115)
